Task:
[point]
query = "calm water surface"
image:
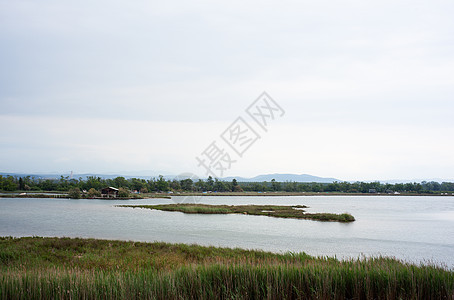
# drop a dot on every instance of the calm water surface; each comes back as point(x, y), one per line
point(417, 229)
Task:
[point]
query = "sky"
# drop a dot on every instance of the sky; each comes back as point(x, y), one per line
point(366, 88)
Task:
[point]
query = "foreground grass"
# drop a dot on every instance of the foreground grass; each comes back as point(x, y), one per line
point(295, 211)
point(63, 268)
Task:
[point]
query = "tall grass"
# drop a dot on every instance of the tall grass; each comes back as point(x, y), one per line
point(205, 273)
point(278, 211)
point(198, 209)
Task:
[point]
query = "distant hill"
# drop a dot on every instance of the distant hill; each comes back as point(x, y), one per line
point(77, 176)
point(283, 178)
point(394, 181)
point(259, 178)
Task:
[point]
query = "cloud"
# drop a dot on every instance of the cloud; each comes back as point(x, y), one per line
point(88, 145)
point(343, 66)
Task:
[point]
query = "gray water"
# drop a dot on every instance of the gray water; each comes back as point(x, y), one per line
point(417, 229)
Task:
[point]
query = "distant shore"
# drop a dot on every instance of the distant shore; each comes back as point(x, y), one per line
point(306, 194)
point(56, 194)
point(66, 196)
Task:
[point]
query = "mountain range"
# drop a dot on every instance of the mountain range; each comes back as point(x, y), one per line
point(284, 177)
point(259, 178)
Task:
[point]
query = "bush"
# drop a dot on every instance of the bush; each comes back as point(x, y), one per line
point(74, 193)
point(93, 193)
point(237, 189)
point(123, 193)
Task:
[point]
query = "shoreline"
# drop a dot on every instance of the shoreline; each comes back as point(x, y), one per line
point(300, 194)
point(214, 194)
point(66, 196)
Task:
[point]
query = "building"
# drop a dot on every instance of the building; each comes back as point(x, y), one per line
point(109, 192)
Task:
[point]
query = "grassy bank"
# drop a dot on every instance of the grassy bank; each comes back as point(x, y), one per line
point(46, 268)
point(295, 211)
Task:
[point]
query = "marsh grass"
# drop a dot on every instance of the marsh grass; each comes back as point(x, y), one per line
point(278, 211)
point(63, 268)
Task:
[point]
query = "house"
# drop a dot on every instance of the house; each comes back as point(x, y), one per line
point(109, 192)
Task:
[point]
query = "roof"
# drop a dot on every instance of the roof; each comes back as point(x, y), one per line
point(110, 188)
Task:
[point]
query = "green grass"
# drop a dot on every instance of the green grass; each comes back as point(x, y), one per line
point(63, 268)
point(295, 211)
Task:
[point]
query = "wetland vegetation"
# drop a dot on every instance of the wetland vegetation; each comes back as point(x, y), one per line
point(278, 211)
point(65, 268)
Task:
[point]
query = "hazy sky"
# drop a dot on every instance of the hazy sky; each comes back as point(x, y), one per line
point(115, 86)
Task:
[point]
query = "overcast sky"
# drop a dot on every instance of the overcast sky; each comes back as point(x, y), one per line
point(124, 86)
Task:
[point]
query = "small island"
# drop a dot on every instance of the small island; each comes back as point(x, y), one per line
point(277, 211)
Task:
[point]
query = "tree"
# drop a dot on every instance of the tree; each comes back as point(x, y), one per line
point(186, 184)
point(21, 184)
point(93, 182)
point(175, 185)
point(63, 183)
point(291, 186)
point(276, 186)
point(74, 193)
point(417, 187)
point(162, 185)
point(234, 185)
point(447, 186)
point(137, 184)
point(210, 183)
point(49, 185)
point(220, 186)
point(120, 182)
point(238, 189)
point(152, 185)
point(123, 193)
point(257, 187)
point(93, 193)
point(316, 187)
point(8, 184)
point(200, 186)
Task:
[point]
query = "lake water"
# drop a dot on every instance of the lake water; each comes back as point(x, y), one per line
point(416, 229)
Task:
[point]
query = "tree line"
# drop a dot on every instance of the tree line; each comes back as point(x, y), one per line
point(350, 187)
point(160, 184)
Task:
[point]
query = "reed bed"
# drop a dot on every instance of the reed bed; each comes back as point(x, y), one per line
point(177, 271)
point(277, 211)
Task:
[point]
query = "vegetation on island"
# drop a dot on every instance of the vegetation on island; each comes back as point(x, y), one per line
point(278, 211)
point(93, 193)
point(162, 185)
point(64, 268)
